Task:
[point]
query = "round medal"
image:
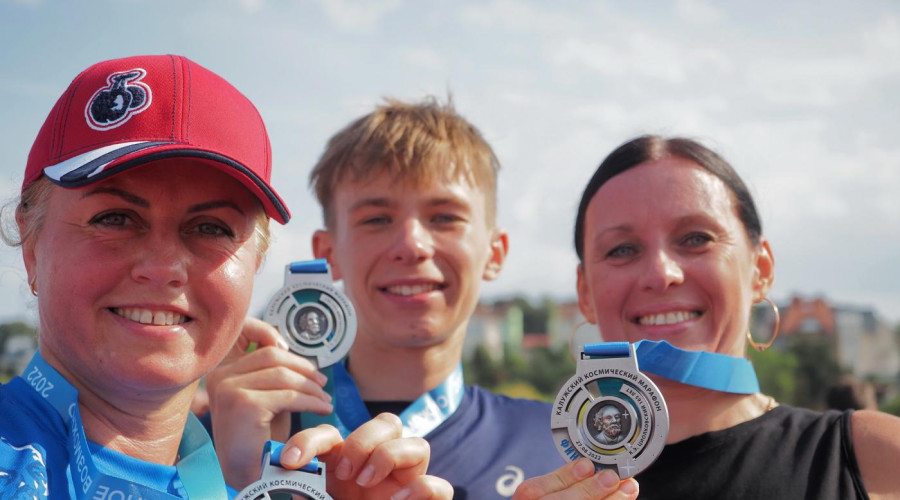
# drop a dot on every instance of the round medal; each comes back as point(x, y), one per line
point(315, 318)
point(610, 412)
point(307, 482)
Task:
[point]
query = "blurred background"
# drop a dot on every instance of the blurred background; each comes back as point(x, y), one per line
point(801, 97)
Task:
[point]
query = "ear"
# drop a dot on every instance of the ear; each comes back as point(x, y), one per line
point(585, 304)
point(764, 273)
point(28, 252)
point(499, 250)
point(323, 248)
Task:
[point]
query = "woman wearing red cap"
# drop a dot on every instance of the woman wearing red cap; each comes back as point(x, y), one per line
point(143, 219)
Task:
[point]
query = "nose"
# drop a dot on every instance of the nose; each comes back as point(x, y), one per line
point(413, 243)
point(662, 271)
point(162, 261)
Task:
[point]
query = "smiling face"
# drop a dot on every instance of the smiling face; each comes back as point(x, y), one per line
point(144, 279)
point(412, 257)
point(666, 257)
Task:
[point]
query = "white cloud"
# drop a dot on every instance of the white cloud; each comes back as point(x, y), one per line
point(358, 15)
point(884, 36)
point(643, 56)
point(518, 16)
point(424, 58)
point(251, 5)
point(698, 11)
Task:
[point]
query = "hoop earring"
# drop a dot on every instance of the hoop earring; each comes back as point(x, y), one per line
point(763, 347)
point(32, 285)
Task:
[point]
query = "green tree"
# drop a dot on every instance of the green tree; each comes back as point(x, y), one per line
point(481, 369)
point(549, 369)
point(777, 373)
point(14, 329)
point(892, 406)
point(535, 319)
point(817, 369)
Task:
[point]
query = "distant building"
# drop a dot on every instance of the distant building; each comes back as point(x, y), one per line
point(565, 320)
point(495, 327)
point(17, 352)
point(864, 344)
point(499, 328)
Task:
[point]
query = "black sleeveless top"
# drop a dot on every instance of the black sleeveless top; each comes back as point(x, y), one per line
point(788, 453)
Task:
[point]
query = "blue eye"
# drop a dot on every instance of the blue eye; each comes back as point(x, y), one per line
point(621, 252)
point(696, 240)
point(445, 218)
point(110, 219)
point(379, 220)
point(213, 229)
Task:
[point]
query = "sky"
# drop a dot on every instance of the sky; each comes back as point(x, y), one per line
point(800, 97)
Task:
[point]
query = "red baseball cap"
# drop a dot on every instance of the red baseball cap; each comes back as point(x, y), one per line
point(124, 113)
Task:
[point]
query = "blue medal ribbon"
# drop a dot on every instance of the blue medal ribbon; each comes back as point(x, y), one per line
point(273, 449)
point(717, 372)
point(419, 418)
point(316, 266)
point(198, 468)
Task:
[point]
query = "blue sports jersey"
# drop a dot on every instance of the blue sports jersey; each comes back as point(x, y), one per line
point(491, 444)
point(488, 446)
point(34, 455)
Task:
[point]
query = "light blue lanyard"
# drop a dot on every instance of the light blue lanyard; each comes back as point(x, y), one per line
point(718, 372)
point(419, 418)
point(198, 467)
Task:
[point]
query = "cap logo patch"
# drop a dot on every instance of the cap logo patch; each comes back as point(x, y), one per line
point(124, 96)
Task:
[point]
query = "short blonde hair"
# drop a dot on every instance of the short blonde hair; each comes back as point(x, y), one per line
point(421, 143)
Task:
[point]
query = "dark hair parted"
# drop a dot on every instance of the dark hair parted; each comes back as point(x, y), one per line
point(653, 147)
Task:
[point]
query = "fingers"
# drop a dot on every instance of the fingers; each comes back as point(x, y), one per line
point(264, 384)
point(577, 481)
point(309, 443)
point(377, 449)
point(425, 488)
point(257, 331)
point(251, 396)
point(374, 462)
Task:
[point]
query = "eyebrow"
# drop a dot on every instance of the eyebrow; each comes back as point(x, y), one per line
point(125, 195)
point(447, 200)
point(621, 228)
point(141, 202)
point(684, 220)
point(210, 205)
point(386, 202)
point(370, 202)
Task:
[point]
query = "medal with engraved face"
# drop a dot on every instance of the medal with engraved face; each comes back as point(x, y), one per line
point(610, 412)
point(315, 318)
point(307, 482)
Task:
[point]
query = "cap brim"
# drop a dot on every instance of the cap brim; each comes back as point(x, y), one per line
point(107, 161)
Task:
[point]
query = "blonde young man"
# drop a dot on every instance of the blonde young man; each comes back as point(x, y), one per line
point(408, 194)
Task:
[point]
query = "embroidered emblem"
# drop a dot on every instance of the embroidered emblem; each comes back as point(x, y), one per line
point(125, 96)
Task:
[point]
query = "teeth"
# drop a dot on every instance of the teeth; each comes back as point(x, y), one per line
point(148, 317)
point(407, 290)
point(669, 318)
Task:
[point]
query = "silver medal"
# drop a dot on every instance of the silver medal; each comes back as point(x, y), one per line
point(307, 483)
point(315, 318)
point(611, 413)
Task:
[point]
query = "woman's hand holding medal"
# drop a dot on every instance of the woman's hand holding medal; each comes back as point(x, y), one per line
point(374, 462)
